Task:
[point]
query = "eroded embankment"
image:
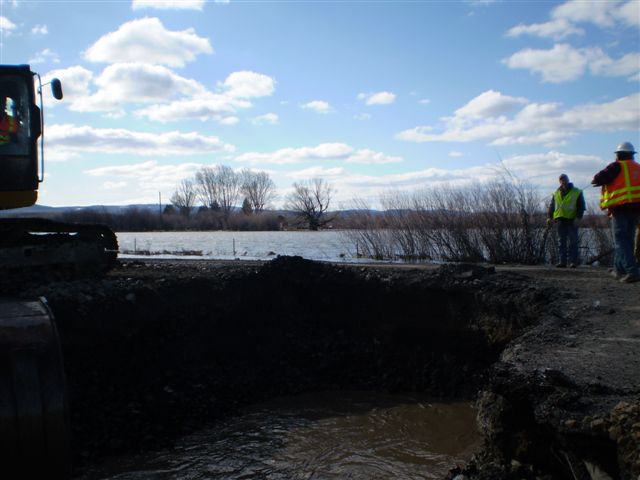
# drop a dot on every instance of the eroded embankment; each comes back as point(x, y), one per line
point(155, 351)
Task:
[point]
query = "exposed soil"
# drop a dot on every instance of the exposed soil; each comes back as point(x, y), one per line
point(157, 349)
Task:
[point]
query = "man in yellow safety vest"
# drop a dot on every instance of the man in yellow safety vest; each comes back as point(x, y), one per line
point(620, 182)
point(567, 206)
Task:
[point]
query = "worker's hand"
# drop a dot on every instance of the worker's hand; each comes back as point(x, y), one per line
point(549, 222)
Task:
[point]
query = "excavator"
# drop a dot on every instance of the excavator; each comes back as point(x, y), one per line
point(34, 413)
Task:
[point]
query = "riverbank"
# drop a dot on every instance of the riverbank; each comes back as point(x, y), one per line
point(157, 349)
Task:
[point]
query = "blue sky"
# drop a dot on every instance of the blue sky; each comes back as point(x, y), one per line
point(373, 96)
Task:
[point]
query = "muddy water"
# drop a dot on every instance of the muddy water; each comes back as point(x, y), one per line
point(333, 435)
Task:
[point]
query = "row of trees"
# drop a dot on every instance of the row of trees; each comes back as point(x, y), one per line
point(219, 189)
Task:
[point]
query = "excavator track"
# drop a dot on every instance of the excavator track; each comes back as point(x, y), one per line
point(47, 249)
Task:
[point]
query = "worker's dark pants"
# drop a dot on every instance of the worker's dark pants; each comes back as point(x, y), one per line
point(623, 225)
point(567, 234)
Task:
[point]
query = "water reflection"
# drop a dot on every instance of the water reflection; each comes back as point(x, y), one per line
point(333, 435)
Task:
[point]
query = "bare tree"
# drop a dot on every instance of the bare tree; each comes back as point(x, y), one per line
point(258, 188)
point(310, 201)
point(207, 185)
point(218, 187)
point(184, 198)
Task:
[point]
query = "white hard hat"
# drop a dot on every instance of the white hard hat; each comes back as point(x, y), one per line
point(626, 147)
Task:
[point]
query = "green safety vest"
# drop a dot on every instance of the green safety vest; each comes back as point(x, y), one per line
point(567, 206)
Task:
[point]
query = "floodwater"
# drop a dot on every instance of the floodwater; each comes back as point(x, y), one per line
point(324, 245)
point(328, 436)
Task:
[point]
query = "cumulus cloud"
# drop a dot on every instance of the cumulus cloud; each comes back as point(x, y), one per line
point(146, 179)
point(267, 118)
point(45, 55)
point(170, 97)
point(489, 104)
point(168, 4)
point(40, 30)
point(378, 98)
point(324, 151)
point(70, 138)
point(247, 84)
point(557, 29)
point(127, 84)
point(76, 82)
point(535, 123)
point(318, 106)
point(6, 25)
point(603, 14)
point(565, 17)
point(147, 40)
point(564, 63)
point(370, 157)
point(317, 172)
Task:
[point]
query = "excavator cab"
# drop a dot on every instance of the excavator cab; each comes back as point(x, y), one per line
point(20, 129)
point(34, 412)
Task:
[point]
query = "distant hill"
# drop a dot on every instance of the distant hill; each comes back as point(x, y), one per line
point(46, 210)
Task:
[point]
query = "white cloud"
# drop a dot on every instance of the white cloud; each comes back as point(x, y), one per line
point(229, 120)
point(172, 98)
point(378, 98)
point(146, 179)
point(45, 55)
point(564, 17)
point(203, 107)
point(126, 84)
point(146, 40)
point(564, 63)
point(560, 64)
point(75, 80)
point(362, 116)
point(114, 185)
point(324, 151)
point(489, 104)
point(603, 13)
point(247, 84)
point(6, 25)
point(424, 101)
point(628, 65)
point(536, 123)
point(168, 4)
point(74, 139)
point(455, 154)
point(40, 30)
point(629, 13)
point(318, 106)
point(370, 157)
point(267, 118)
point(556, 29)
point(317, 172)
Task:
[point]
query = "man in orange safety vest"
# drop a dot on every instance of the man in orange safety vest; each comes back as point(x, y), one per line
point(620, 182)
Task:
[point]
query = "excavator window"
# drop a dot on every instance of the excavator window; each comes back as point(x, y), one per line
point(14, 116)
